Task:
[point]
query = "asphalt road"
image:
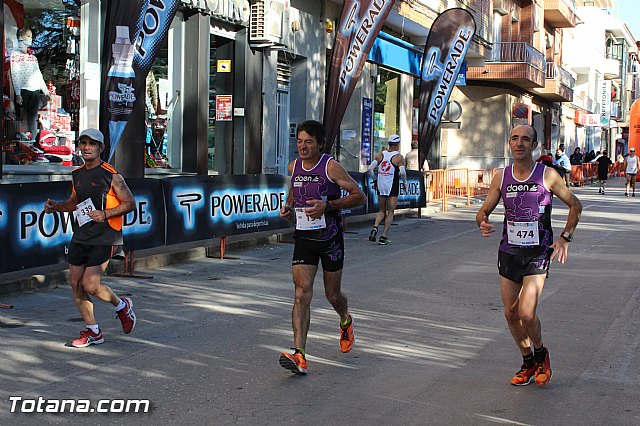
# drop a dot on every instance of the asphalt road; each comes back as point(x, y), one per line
point(432, 345)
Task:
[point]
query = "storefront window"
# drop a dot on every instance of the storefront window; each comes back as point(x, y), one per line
point(387, 108)
point(159, 106)
point(41, 84)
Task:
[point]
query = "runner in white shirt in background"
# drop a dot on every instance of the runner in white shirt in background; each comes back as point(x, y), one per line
point(631, 168)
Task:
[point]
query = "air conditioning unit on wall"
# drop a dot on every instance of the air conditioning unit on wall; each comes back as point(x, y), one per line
point(269, 24)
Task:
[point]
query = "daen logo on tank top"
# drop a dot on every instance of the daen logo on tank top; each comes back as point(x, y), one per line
point(522, 187)
point(298, 180)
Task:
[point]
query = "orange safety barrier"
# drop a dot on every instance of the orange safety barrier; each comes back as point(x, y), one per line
point(448, 184)
point(576, 177)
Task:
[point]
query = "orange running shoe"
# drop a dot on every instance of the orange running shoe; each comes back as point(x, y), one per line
point(525, 375)
point(295, 362)
point(346, 336)
point(543, 370)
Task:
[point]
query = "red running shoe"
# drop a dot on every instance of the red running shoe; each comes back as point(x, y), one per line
point(126, 316)
point(87, 337)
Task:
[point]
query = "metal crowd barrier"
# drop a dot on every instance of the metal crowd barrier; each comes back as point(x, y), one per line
point(588, 173)
point(445, 185)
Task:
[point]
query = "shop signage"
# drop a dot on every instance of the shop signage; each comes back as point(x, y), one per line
point(592, 120)
point(234, 11)
point(223, 65)
point(605, 103)
point(367, 130)
point(224, 107)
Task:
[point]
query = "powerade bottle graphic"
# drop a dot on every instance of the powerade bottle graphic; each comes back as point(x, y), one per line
point(120, 90)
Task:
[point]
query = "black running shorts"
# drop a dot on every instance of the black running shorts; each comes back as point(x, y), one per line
point(515, 267)
point(310, 252)
point(90, 255)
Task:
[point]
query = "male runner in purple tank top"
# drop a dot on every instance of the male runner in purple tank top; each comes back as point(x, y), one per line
point(527, 246)
point(314, 201)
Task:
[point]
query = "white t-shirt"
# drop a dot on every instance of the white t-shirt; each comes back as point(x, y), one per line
point(25, 73)
point(632, 164)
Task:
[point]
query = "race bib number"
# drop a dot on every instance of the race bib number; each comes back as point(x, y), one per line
point(523, 233)
point(305, 223)
point(82, 211)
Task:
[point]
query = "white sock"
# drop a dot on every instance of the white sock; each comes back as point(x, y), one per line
point(121, 305)
point(93, 327)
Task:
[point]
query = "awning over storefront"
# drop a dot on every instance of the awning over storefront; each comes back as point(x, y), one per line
point(396, 54)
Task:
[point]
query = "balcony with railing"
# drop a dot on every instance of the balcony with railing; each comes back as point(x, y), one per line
point(560, 13)
point(515, 62)
point(559, 83)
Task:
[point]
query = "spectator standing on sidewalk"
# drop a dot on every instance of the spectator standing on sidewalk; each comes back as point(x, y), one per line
point(391, 169)
point(631, 169)
point(99, 199)
point(576, 157)
point(316, 184)
point(563, 161)
point(527, 247)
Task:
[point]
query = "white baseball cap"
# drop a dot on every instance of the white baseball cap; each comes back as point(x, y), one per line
point(393, 139)
point(632, 150)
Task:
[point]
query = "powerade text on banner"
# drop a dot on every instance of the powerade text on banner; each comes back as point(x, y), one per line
point(134, 31)
point(449, 39)
point(360, 23)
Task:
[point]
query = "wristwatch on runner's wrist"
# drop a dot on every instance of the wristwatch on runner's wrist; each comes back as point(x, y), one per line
point(567, 236)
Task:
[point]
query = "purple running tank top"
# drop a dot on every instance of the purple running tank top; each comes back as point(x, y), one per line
point(527, 213)
point(315, 184)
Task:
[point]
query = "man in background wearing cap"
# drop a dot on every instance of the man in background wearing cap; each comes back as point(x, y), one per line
point(390, 168)
point(99, 199)
point(631, 167)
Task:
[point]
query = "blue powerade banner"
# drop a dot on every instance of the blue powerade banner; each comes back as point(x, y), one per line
point(144, 227)
point(215, 206)
point(412, 197)
point(31, 237)
point(168, 211)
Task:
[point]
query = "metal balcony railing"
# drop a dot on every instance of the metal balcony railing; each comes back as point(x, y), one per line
point(556, 72)
point(518, 52)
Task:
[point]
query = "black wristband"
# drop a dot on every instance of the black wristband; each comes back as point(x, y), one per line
point(328, 207)
point(105, 215)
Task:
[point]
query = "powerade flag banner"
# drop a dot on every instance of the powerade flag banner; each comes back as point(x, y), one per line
point(134, 31)
point(447, 44)
point(360, 24)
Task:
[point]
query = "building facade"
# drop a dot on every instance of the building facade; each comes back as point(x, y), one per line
point(235, 78)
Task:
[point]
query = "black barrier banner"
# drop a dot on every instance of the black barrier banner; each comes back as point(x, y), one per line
point(249, 203)
point(360, 179)
point(449, 38)
point(31, 237)
point(360, 23)
point(215, 206)
point(134, 31)
point(144, 227)
point(412, 197)
point(185, 199)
